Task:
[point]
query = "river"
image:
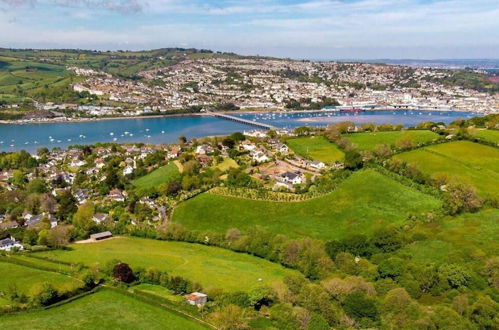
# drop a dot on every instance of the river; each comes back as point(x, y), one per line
point(30, 137)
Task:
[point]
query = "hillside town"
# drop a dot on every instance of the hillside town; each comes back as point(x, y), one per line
point(259, 83)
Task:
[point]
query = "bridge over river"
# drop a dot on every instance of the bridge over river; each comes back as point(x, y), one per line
point(242, 120)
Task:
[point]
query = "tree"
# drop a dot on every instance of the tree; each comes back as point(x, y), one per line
point(182, 140)
point(405, 143)
point(229, 142)
point(67, 205)
point(484, 313)
point(461, 198)
point(123, 273)
point(45, 295)
point(173, 188)
point(358, 306)
point(353, 160)
point(58, 236)
point(36, 186)
point(229, 317)
point(237, 136)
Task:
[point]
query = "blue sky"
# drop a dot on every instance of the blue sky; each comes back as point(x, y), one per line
point(317, 29)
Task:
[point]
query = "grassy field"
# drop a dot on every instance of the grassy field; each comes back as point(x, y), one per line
point(467, 238)
point(486, 134)
point(29, 279)
point(369, 140)
point(365, 201)
point(28, 75)
point(164, 174)
point(316, 148)
point(102, 310)
point(157, 290)
point(209, 266)
point(471, 163)
point(227, 164)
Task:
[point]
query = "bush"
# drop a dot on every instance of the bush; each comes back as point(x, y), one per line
point(123, 273)
point(359, 306)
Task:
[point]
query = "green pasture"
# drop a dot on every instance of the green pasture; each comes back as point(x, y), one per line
point(164, 174)
point(210, 266)
point(157, 290)
point(27, 279)
point(486, 134)
point(468, 238)
point(369, 140)
point(365, 201)
point(469, 162)
point(104, 309)
point(316, 148)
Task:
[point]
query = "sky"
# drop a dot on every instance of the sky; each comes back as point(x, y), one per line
point(312, 29)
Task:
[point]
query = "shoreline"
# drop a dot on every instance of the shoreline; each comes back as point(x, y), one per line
point(203, 114)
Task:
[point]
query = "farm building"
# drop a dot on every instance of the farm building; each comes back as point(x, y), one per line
point(101, 236)
point(196, 298)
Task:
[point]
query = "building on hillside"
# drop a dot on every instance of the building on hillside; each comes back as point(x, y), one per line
point(8, 244)
point(197, 299)
point(99, 218)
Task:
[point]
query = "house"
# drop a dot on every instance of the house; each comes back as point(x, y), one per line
point(99, 218)
point(34, 221)
point(81, 195)
point(8, 244)
point(203, 159)
point(259, 157)
point(247, 145)
point(204, 149)
point(27, 215)
point(317, 165)
point(101, 236)
point(197, 299)
point(174, 153)
point(128, 170)
point(282, 148)
point(292, 178)
point(116, 195)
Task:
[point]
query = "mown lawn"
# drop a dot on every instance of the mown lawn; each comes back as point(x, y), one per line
point(486, 134)
point(467, 238)
point(316, 148)
point(210, 266)
point(365, 201)
point(227, 164)
point(102, 310)
point(27, 279)
point(164, 174)
point(469, 162)
point(369, 140)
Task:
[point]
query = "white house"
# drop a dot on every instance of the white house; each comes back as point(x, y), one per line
point(204, 149)
point(7, 244)
point(293, 178)
point(317, 165)
point(259, 157)
point(128, 170)
point(99, 218)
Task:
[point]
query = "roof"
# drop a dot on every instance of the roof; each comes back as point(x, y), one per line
point(289, 175)
point(7, 242)
point(104, 234)
point(195, 296)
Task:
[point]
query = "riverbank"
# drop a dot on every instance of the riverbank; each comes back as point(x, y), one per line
point(65, 120)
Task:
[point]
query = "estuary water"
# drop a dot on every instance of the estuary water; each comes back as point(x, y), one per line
point(14, 137)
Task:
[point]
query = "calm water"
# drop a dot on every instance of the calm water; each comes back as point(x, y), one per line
point(166, 130)
point(406, 118)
